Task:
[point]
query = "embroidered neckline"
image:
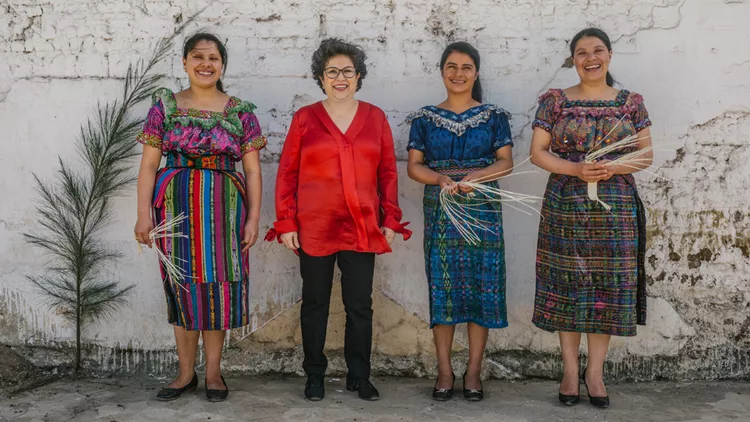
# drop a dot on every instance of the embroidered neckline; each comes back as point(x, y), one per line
point(228, 119)
point(457, 122)
point(468, 111)
point(619, 101)
point(205, 114)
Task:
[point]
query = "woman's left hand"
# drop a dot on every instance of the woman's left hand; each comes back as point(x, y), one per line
point(469, 178)
point(611, 169)
point(389, 234)
point(251, 235)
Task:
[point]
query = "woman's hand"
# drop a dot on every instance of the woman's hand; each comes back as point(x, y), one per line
point(590, 172)
point(446, 182)
point(251, 235)
point(290, 240)
point(389, 234)
point(469, 178)
point(143, 227)
point(611, 169)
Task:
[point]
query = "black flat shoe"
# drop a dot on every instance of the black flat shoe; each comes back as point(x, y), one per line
point(600, 402)
point(315, 388)
point(472, 394)
point(443, 394)
point(168, 393)
point(217, 395)
point(364, 388)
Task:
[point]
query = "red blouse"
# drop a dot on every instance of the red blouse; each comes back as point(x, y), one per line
point(337, 189)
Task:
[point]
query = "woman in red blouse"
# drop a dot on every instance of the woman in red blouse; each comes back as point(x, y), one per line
point(337, 200)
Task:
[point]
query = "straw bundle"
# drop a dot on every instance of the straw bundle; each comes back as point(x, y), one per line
point(627, 160)
point(165, 230)
point(458, 206)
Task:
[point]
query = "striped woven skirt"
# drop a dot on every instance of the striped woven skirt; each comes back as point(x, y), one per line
point(214, 293)
point(466, 282)
point(590, 272)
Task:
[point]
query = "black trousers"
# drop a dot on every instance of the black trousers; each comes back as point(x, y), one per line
point(356, 290)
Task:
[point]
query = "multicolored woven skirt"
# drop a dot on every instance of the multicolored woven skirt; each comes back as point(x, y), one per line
point(208, 190)
point(590, 272)
point(467, 282)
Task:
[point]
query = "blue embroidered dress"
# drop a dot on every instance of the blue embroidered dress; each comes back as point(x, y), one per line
point(466, 282)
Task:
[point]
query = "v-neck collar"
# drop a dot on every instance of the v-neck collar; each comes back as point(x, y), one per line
point(355, 127)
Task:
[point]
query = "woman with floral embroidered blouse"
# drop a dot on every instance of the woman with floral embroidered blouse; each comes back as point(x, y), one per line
point(203, 132)
point(461, 140)
point(590, 272)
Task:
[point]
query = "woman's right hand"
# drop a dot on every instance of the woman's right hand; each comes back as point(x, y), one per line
point(143, 227)
point(446, 182)
point(590, 172)
point(290, 240)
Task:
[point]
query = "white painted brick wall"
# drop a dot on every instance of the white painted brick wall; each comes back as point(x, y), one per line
point(687, 57)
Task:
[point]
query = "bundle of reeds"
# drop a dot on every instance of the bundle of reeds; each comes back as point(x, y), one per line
point(630, 159)
point(458, 206)
point(160, 236)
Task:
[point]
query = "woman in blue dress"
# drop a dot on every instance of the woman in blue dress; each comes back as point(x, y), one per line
point(461, 140)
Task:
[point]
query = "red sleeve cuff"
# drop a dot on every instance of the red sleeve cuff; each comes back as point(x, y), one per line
point(279, 228)
point(271, 235)
point(397, 227)
point(286, 226)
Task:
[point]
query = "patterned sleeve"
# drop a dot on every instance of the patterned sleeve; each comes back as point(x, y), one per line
point(547, 113)
point(153, 130)
point(252, 139)
point(639, 114)
point(501, 126)
point(417, 134)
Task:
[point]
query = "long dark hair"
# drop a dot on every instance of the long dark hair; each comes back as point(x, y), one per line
point(598, 33)
point(191, 42)
point(468, 49)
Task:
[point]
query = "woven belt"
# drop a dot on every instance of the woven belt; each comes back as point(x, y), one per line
point(456, 169)
point(209, 162)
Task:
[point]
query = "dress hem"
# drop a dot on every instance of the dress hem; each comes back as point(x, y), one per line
point(617, 333)
point(177, 324)
point(503, 324)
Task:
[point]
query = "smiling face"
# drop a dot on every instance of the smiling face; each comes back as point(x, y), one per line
point(340, 78)
point(459, 73)
point(204, 64)
point(591, 58)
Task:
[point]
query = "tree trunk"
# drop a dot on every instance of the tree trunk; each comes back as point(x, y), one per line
point(78, 338)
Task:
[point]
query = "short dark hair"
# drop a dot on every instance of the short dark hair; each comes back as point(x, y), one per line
point(336, 47)
point(191, 42)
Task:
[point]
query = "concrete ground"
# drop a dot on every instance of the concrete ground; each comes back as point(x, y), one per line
point(280, 399)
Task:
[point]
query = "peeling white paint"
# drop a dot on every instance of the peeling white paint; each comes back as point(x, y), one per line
point(686, 57)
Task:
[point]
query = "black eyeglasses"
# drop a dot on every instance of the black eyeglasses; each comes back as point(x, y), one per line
point(333, 72)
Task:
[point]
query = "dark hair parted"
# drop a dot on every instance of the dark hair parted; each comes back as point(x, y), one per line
point(598, 33)
point(468, 49)
point(332, 47)
point(191, 42)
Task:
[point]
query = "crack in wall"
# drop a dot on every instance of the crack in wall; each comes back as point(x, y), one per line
point(652, 24)
point(404, 38)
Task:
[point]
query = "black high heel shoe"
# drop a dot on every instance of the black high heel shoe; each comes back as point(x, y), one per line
point(217, 395)
point(600, 402)
point(570, 399)
point(472, 394)
point(168, 393)
point(443, 394)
